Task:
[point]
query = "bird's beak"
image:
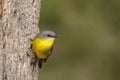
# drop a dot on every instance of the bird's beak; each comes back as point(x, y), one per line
point(55, 36)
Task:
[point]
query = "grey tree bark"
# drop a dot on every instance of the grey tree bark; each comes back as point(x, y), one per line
point(18, 25)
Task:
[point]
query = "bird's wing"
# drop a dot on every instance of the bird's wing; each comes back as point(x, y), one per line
point(40, 61)
point(49, 54)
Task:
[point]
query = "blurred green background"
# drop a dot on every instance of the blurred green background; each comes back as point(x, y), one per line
point(88, 47)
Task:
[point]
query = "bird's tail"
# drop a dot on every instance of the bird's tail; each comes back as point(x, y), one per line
point(40, 63)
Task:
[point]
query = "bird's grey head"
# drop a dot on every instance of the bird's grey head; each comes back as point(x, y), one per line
point(47, 34)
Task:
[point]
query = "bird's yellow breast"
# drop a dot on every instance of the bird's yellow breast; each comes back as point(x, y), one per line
point(42, 47)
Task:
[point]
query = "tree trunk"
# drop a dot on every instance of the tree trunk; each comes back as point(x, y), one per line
point(18, 25)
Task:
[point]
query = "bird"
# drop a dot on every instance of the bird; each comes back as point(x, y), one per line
point(42, 45)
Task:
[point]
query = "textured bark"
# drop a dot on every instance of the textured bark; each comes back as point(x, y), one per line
point(18, 25)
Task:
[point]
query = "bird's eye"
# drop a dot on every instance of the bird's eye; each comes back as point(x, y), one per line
point(49, 35)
